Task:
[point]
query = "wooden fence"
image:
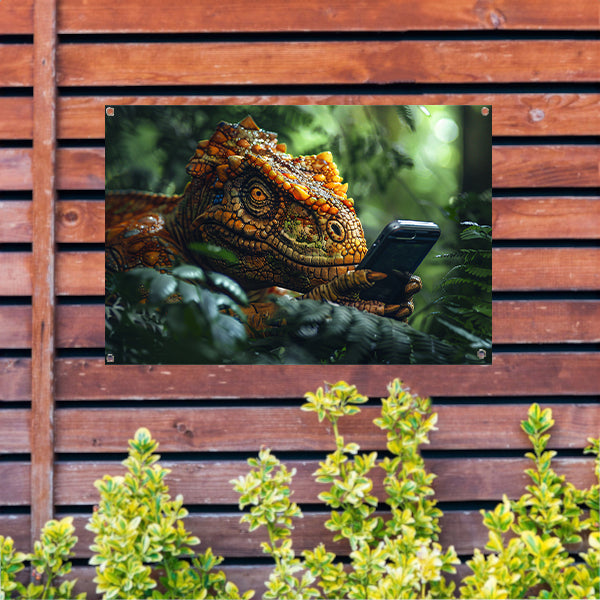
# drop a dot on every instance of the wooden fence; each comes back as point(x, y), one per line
point(65, 417)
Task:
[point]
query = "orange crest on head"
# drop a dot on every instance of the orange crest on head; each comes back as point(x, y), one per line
point(312, 180)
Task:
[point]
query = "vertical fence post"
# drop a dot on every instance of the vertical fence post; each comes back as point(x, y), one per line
point(43, 299)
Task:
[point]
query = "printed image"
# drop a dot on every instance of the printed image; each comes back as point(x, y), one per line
point(298, 235)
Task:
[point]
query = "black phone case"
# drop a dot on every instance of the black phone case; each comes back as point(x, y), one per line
point(398, 251)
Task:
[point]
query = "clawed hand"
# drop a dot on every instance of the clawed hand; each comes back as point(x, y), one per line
point(346, 288)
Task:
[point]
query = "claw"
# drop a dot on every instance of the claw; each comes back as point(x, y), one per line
point(391, 309)
point(373, 276)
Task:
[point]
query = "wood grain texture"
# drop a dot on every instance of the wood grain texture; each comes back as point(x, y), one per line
point(527, 218)
point(15, 169)
point(536, 218)
point(15, 428)
point(208, 482)
point(77, 274)
point(15, 216)
point(223, 532)
point(515, 322)
point(544, 322)
point(530, 374)
point(80, 221)
point(556, 373)
point(513, 166)
point(80, 169)
point(16, 65)
point(275, 63)
point(43, 265)
point(152, 16)
point(514, 269)
point(16, 122)
point(76, 221)
point(527, 321)
point(77, 326)
point(16, 487)
point(16, 16)
point(278, 15)
point(513, 114)
point(290, 429)
point(545, 269)
point(15, 325)
point(567, 165)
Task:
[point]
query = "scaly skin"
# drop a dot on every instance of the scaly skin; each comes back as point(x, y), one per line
point(287, 219)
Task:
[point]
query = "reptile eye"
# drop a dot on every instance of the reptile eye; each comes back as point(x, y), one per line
point(336, 231)
point(258, 195)
point(257, 198)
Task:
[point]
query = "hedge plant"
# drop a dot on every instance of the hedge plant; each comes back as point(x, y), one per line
point(142, 549)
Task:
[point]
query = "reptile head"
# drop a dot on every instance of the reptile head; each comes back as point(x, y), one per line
point(287, 219)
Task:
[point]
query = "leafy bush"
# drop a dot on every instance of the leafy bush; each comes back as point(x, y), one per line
point(141, 548)
point(50, 560)
point(400, 557)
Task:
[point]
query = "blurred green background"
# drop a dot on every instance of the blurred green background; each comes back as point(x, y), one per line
point(401, 162)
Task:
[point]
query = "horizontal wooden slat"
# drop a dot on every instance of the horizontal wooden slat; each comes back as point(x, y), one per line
point(16, 65)
point(16, 221)
point(229, 538)
point(513, 166)
point(537, 322)
point(545, 218)
point(15, 325)
point(459, 479)
point(545, 269)
point(557, 373)
point(16, 489)
point(80, 169)
point(16, 17)
point(152, 16)
point(545, 166)
point(515, 322)
point(511, 373)
point(512, 218)
point(514, 269)
point(279, 15)
point(17, 118)
point(16, 274)
point(546, 321)
point(275, 63)
point(15, 169)
point(530, 374)
point(76, 221)
point(77, 326)
point(513, 114)
point(290, 429)
point(209, 482)
point(14, 431)
point(80, 221)
point(77, 273)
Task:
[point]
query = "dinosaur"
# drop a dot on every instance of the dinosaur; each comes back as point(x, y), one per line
point(287, 219)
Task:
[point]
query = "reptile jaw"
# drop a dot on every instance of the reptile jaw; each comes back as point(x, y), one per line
point(263, 263)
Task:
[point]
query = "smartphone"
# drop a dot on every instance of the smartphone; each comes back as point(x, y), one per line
point(397, 251)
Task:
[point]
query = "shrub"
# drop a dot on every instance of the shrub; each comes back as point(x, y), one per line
point(142, 550)
point(400, 557)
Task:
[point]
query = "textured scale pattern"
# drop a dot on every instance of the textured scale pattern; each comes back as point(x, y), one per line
point(288, 219)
